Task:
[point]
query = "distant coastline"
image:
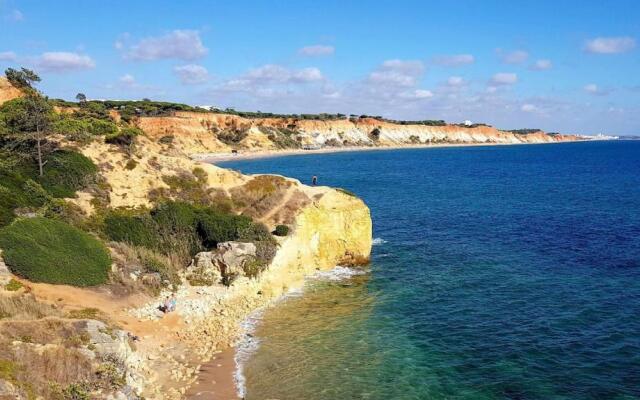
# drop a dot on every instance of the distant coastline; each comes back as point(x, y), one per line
point(216, 157)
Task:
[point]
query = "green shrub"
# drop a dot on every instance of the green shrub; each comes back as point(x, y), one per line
point(124, 137)
point(281, 230)
point(131, 164)
point(100, 127)
point(36, 192)
point(45, 250)
point(214, 227)
point(66, 172)
point(253, 268)
point(134, 227)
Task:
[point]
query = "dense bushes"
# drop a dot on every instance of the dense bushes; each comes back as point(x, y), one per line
point(124, 137)
point(133, 227)
point(45, 250)
point(80, 129)
point(183, 229)
point(22, 187)
point(67, 172)
point(281, 230)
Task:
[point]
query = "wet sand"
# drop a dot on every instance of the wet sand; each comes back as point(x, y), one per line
point(215, 379)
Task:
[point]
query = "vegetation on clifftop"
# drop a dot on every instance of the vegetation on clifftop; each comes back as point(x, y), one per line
point(46, 250)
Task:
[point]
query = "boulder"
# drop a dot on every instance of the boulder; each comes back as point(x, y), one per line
point(233, 255)
point(210, 267)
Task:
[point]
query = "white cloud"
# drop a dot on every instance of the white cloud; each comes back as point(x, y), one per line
point(178, 44)
point(127, 80)
point(513, 57)
point(307, 75)
point(317, 50)
point(8, 56)
point(455, 81)
point(191, 74)
point(422, 94)
point(15, 16)
point(504, 78)
point(62, 61)
point(610, 45)
point(528, 108)
point(594, 89)
point(454, 60)
point(272, 73)
point(397, 73)
point(541, 65)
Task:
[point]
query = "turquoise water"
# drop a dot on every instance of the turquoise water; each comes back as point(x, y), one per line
point(508, 272)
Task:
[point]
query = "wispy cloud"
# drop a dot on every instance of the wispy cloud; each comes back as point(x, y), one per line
point(512, 57)
point(179, 45)
point(595, 90)
point(541, 65)
point(504, 78)
point(454, 60)
point(397, 73)
point(63, 61)
point(191, 74)
point(528, 108)
point(610, 45)
point(317, 50)
point(455, 81)
point(15, 16)
point(8, 56)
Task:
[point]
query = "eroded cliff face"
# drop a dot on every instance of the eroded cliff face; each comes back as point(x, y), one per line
point(206, 133)
point(7, 91)
point(327, 228)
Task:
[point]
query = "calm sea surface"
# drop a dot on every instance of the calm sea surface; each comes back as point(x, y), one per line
point(506, 272)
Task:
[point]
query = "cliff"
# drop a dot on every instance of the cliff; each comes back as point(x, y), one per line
point(327, 228)
point(210, 132)
point(7, 91)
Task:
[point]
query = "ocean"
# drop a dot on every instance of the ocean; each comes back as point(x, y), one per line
point(498, 272)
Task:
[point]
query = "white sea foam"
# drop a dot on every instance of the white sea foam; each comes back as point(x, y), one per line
point(378, 241)
point(338, 273)
point(246, 348)
point(249, 343)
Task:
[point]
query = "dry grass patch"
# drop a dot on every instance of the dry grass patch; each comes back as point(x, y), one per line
point(261, 194)
point(24, 306)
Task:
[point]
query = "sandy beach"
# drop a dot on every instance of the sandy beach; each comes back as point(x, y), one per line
point(255, 154)
point(215, 379)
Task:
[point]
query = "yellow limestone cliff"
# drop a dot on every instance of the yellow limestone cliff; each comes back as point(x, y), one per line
point(328, 228)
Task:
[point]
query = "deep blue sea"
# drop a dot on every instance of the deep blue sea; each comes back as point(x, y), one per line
point(500, 272)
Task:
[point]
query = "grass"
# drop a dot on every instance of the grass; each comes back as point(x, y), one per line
point(13, 286)
point(51, 251)
point(24, 306)
point(85, 313)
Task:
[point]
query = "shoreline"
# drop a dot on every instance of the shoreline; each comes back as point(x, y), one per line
point(217, 157)
point(222, 377)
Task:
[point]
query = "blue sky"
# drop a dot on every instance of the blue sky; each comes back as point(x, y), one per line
point(569, 66)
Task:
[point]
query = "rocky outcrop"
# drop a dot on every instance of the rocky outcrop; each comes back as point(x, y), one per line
point(228, 260)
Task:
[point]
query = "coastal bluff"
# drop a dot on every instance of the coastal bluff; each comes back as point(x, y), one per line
point(111, 340)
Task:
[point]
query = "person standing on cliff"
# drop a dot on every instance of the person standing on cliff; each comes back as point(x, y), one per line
point(314, 180)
